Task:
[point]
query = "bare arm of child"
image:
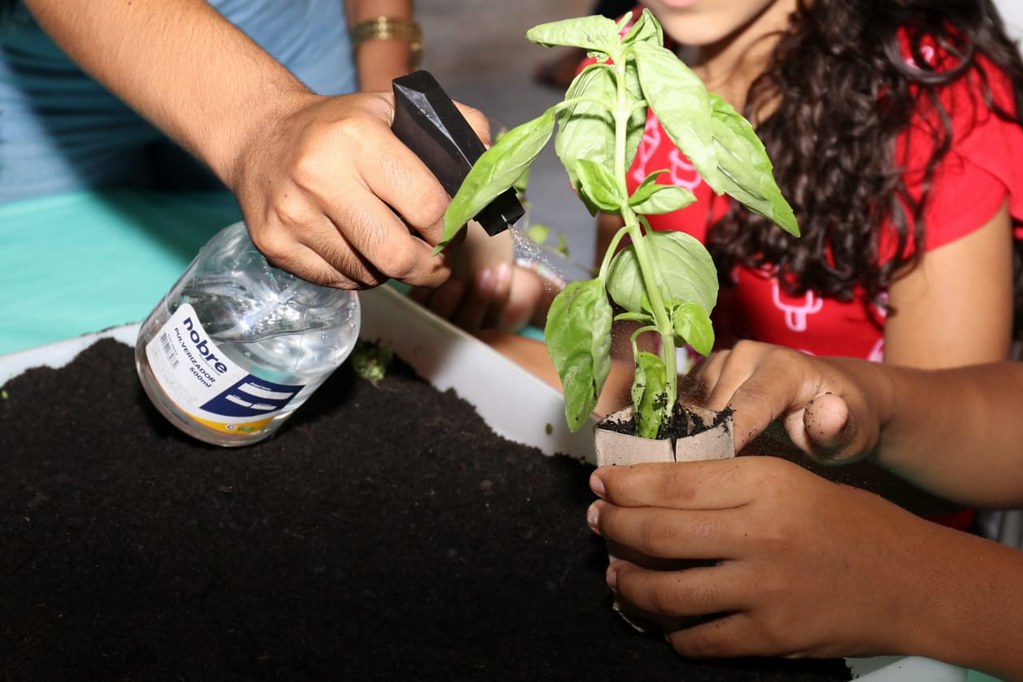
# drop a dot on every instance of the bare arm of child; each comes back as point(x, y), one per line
point(954, 432)
point(955, 307)
point(387, 41)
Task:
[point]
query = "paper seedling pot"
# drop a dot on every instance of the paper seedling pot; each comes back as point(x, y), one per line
point(712, 439)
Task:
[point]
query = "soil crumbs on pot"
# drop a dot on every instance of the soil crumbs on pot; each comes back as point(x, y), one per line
point(385, 533)
point(682, 424)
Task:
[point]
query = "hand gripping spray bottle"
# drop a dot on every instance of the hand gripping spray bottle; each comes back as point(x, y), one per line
point(237, 345)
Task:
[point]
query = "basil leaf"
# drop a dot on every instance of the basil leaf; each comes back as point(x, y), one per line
point(598, 187)
point(746, 171)
point(578, 336)
point(645, 30)
point(538, 233)
point(594, 33)
point(687, 272)
point(495, 171)
point(562, 247)
point(647, 187)
point(681, 104)
point(644, 318)
point(692, 324)
point(586, 130)
point(648, 394)
point(664, 199)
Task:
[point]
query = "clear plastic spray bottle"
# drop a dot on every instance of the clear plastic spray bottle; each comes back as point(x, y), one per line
point(237, 345)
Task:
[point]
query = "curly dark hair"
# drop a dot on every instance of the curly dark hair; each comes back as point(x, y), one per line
point(840, 74)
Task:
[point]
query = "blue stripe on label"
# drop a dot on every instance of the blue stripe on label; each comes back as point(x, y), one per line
point(252, 397)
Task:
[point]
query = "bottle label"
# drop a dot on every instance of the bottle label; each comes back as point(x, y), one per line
point(205, 384)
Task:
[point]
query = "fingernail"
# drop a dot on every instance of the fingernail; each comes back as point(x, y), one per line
point(597, 484)
point(504, 272)
point(593, 517)
point(485, 279)
point(612, 577)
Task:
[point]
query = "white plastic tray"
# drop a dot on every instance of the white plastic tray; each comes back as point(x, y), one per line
point(515, 404)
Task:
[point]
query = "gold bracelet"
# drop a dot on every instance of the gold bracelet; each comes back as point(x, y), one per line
point(391, 28)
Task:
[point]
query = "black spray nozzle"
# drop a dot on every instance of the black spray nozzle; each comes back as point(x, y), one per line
point(430, 124)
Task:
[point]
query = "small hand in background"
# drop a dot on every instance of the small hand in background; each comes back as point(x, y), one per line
point(488, 289)
point(505, 296)
point(470, 304)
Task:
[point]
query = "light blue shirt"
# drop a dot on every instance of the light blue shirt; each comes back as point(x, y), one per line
point(61, 131)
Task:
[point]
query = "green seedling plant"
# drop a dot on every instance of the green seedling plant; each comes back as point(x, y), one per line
point(371, 360)
point(664, 282)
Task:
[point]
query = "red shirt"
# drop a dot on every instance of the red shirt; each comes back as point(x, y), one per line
point(983, 169)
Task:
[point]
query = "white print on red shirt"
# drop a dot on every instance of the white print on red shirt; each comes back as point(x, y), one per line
point(796, 316)
point(647, 146)
point(927, 52)
point(877, 352)
point(880, 306)
point(681, 172)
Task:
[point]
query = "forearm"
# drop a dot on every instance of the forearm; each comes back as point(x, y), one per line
point(380, 60)
point(956, 432)
point(960, 599)
point(967, 279)
point(181, 65)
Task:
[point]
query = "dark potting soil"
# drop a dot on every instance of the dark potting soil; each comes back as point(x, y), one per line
point(682, 423)
point(385, 533)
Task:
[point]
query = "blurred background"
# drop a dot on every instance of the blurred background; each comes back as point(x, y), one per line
point(481, 57)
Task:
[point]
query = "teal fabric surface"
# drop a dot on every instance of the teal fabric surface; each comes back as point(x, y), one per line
point(81, 262)
point(531, 332)
point(77, 263)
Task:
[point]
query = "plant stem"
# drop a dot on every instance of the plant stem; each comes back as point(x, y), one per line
point(645, 260)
